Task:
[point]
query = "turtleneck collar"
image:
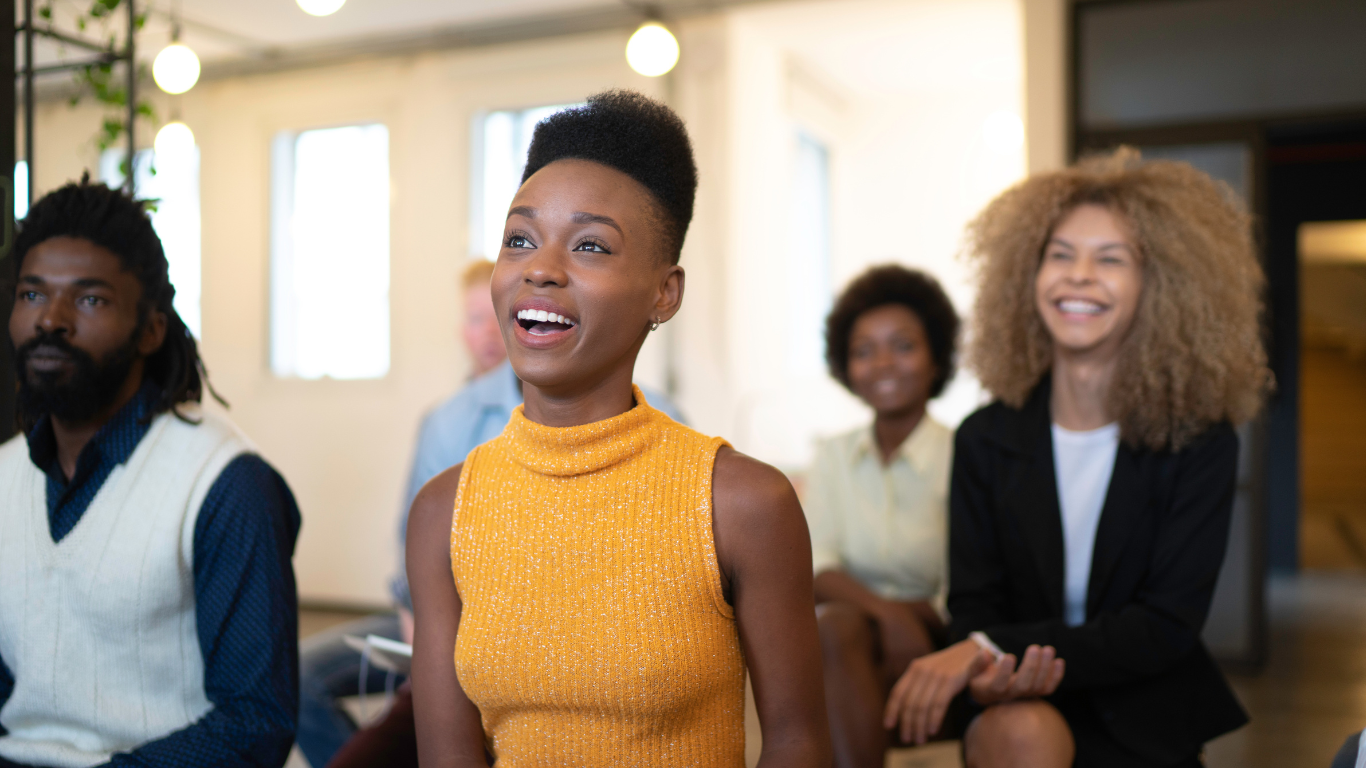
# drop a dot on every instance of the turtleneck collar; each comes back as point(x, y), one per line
point(567, 451)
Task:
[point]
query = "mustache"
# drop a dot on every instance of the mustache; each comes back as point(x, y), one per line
point(54, 341)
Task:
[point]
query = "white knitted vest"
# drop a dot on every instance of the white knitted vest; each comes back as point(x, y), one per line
point(99, 628)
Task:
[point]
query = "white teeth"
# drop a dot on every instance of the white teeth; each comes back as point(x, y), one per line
point(542, 316)
point(1079, 307)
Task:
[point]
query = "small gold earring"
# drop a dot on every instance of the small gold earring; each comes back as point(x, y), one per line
point(654, 324)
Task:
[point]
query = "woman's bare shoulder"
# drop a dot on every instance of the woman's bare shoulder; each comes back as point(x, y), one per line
point(749, 495)
point(434, 505)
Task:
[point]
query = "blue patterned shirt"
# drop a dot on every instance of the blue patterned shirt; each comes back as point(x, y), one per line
point(246, 607)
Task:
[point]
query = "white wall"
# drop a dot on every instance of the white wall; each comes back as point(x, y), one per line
point(897, 89)
point(345, 446)
point(899, 92)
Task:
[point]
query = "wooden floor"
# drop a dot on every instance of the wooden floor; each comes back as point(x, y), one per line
point(1313, 693)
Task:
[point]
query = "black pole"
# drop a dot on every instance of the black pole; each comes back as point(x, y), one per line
point(7, 105)
point(130, 181)
point(28, 102)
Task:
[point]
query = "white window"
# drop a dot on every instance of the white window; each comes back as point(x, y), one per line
point(20, 189)
point(330, 253)
point(809, 265)
point(173, 183)
point(501, 142)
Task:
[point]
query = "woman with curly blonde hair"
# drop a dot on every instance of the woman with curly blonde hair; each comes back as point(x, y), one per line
point(1117, 324)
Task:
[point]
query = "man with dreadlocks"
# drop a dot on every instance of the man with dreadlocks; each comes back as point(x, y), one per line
point(147, 602)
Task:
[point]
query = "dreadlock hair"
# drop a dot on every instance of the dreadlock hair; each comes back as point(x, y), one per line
point(116, 222)
point(636, 135)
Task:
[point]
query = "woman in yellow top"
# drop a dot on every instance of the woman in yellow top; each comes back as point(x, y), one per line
point(590, 586)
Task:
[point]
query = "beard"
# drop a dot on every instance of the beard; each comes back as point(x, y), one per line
point(78, 395)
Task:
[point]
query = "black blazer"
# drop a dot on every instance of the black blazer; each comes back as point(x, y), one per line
point(1138, 660)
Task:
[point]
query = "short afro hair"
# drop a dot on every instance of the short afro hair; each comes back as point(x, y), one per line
point(894, 284)
point(633, 134)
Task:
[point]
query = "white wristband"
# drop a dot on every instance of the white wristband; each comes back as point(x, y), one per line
point(985, 643)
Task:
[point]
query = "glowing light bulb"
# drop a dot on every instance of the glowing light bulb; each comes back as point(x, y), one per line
point(652, 50)
point(174, 140)
point(1003, 132)
point(321, 7)
point(176, 68)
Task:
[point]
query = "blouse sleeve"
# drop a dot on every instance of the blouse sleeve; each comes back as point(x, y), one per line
point(822, 512)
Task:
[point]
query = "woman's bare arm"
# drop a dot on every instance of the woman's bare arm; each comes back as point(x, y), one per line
point(449, 731)
point(765, 557)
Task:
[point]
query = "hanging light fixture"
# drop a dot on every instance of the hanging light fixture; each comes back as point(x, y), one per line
point(175, 140)
point(176, 68)
point(652, 50)
point(321, 7)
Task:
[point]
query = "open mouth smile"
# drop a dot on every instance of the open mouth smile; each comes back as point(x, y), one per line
point(1084, 307)
point(539, 322)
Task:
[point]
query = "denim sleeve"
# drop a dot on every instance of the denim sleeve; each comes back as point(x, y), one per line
point(427, 463)
point(246, 609)
point(6, 687)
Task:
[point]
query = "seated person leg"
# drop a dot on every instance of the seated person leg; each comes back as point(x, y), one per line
point(329, 670)
point(1019, 734)
point(853, 684)
point(860, 670)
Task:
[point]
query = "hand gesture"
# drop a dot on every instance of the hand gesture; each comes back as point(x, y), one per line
point(922, 695)
point(1039, 675)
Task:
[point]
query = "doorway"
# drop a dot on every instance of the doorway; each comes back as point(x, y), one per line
point(1333, 395)
point(1316, 265)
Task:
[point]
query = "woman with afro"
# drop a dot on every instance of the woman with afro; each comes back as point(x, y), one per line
point(877, 501)
point(1117, 324)
point(591, 586)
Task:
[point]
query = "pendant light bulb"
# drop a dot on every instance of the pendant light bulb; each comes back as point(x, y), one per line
point(175, 139)
point(321, 7)
point(176, 68)
point(652, 50)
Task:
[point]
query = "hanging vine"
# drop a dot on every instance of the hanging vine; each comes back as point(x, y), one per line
point(96, 80)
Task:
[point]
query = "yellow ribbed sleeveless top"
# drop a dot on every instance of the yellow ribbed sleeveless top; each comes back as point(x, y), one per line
point(594, 631)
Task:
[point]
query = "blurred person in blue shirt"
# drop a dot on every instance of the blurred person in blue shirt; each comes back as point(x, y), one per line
point(329, 669)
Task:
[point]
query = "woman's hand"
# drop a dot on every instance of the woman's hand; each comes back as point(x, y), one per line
point(1039, 675)
point(922, 695)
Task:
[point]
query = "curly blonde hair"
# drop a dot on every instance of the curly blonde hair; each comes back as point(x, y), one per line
point(1194, 355)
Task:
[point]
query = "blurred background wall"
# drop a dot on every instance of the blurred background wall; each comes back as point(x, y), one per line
point(830, 135)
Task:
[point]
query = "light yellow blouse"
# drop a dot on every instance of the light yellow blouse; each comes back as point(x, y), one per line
point(885, 526)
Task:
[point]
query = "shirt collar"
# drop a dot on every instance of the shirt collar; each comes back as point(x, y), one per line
point(918, 448)
point(114, 442)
